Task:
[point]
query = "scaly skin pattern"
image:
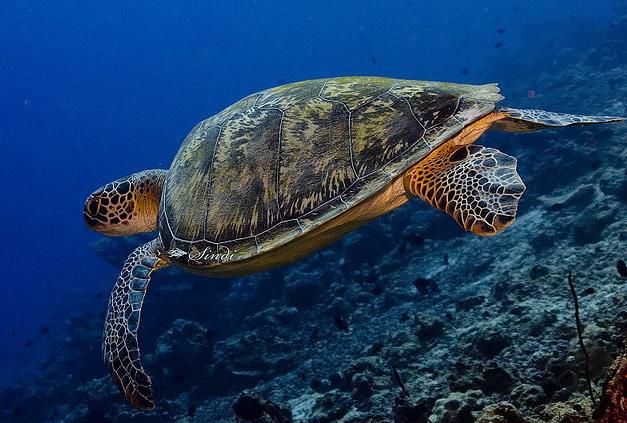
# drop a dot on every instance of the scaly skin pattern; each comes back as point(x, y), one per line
point(523, 120)
point(120, 347)
point(127, 205)
point(477, 186)
point(284, 161)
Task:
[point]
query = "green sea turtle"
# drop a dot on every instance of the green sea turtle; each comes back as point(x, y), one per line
point(284, 172)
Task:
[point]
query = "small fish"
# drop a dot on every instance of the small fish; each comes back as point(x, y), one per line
point(377, 290)
point(500, 31)
point(445, 259)
point(44, 330)
point(396, 376)
point(281, 81)
point(373, 60)
point(498, 45)
point(588, 291)
point(13, 333)
point(341, 324)
point(622, 268)
point(422, 285)
point(99, 294)
point(465, 71)
point(28, 343)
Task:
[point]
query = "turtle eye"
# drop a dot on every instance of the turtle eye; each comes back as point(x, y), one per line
point(92, 206)
point(91, 212)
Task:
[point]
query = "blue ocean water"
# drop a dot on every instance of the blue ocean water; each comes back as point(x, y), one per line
point(92, 91)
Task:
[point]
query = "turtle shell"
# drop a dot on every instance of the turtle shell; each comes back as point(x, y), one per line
point(284, 161)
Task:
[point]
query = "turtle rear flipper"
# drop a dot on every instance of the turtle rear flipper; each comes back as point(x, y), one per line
point(120, 347)
point(525, 120)
point(477, 186)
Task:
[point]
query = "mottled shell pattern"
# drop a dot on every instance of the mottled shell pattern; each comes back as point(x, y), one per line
point(281, 162)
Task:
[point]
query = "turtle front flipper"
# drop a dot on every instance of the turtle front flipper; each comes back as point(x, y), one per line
point(477, 186)
point(120, 347)
point(525, 120)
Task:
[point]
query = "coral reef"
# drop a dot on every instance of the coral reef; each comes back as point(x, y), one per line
point(474, 329)
point(613, 406)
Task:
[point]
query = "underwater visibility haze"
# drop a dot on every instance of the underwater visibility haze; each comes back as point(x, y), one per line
point(334, 293)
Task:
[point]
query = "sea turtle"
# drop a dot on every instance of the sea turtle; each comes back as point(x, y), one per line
point(286, 171)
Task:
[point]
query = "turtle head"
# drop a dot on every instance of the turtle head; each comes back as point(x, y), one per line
point(127, 205)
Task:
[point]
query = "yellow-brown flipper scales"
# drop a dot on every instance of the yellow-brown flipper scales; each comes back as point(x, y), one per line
point(477, 186)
